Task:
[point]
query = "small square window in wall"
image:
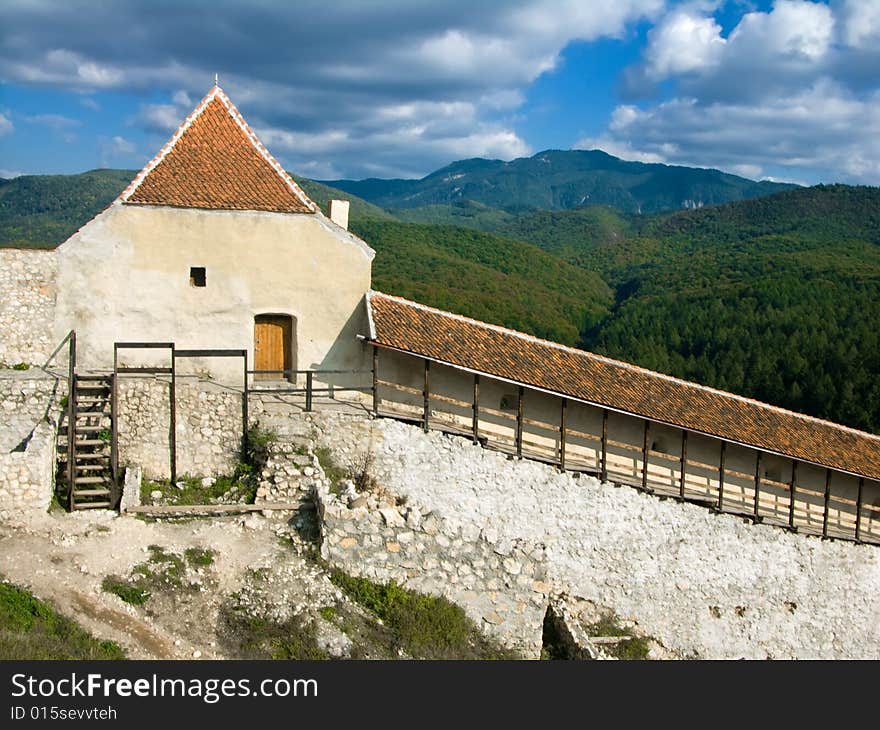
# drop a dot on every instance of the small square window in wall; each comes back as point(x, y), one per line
point(197, 276)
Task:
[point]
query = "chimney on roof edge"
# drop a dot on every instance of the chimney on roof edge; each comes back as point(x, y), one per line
point(339, 213)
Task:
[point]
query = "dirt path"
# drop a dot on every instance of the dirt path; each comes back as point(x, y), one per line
point(63, 558)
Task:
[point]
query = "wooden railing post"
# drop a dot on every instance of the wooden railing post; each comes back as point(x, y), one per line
point(309, 377)
point(721, 476)
point(563, 417)
point(375, 380)
point(244, 410)
point(757, 506)
point(859, 510)
point(827, 502)
point(603, 472)
point(684, 458)
point(519, 421)
point(646, 446)
point(426, 393)
point(172, 393)
point(792, 491)
point(475, 425)
point(114, 436)
point(71, 421)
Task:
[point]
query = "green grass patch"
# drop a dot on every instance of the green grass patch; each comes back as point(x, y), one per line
point(162, 571)
point(21, 366)
point(199, 556)
point(30, 629)
point(332, 470)
point(424, 627)
point(248, 637)
point(241, 484)
point(134, 593)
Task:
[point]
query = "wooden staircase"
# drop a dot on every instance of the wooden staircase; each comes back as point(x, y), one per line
point(90, 474)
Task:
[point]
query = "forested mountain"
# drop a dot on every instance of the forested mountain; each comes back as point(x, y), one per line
point(777, 298)
point(41, 211)
point(487, 277)
point(562, 179)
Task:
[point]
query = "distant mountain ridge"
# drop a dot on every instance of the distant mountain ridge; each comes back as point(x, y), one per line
point(563, 179)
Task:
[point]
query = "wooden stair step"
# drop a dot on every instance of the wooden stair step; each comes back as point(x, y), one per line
point(79, 456)
point(90, 414)
point(91, 505)
point(90, 480)
point(77, 493)
point(91, 467)
point(84, 428)
point(90, 442)
point(92, 386)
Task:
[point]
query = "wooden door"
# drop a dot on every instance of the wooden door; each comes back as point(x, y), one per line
point(272, 345)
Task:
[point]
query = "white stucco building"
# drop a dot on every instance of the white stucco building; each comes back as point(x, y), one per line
point(214, 245)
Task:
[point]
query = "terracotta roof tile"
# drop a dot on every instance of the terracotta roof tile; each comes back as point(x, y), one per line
point(449, 338)
point(215, 161)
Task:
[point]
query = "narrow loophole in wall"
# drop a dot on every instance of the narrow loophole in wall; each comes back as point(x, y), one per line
point(197, 276)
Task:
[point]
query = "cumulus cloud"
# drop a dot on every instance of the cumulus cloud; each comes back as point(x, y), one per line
point(791, 92)
point(114, 149)
point(374, 73)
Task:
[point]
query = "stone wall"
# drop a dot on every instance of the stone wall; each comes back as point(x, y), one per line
point(500, 582)
point(209, 426)
point(29, 412)
point(27, 305)
point(703, 584)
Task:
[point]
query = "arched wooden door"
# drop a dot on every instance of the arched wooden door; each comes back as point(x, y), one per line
point(273, 346)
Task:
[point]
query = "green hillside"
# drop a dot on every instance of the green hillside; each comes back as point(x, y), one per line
point(486, 277)
point(777, 299)
point(42, 211)
point(562, 179)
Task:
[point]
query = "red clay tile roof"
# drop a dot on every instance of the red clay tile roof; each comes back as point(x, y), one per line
point(450, 338)
point(215, 161)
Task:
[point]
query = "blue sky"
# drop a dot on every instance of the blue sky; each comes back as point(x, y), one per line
point(786, 90)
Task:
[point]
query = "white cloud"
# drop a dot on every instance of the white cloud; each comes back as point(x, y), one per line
point(6, 125)
point(114, 149)
point(9, 174)
point(160, 117)
point(318, 71)
point(682, 43)
point(792, 92)
point(821, 128)
point(860, 26)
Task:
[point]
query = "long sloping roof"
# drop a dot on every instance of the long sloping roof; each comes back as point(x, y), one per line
point(467, 343)
point(215, 161)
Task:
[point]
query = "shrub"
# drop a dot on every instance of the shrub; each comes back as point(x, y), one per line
point(134, 592)
point(259, 440)
point(636, 647)
point(426, 627)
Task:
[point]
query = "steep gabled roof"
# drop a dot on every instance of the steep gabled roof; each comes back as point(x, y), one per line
point(215, 161)
point(496, 351)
